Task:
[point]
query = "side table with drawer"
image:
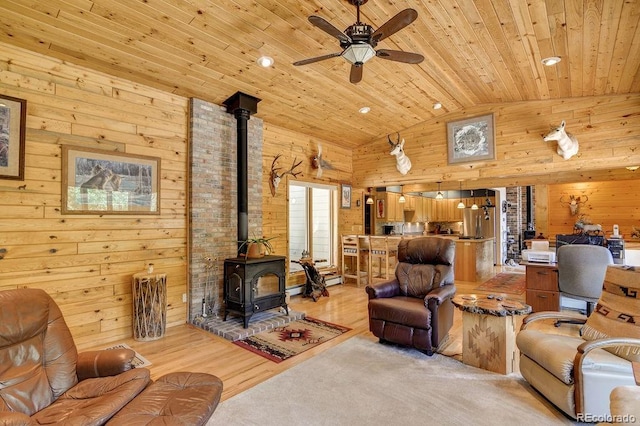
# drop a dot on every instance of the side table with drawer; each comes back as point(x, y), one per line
point(542, 286)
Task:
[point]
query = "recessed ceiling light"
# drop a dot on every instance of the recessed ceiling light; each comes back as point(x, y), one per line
point(364, 110)
point(265, 61)
point(552, 60)
point(437, 105)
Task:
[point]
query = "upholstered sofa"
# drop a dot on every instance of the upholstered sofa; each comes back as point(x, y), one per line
point(415, 308)
point(43, 379)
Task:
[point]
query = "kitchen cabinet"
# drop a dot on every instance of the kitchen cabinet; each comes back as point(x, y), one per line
point(542, 287)
point(410, 203)
point(393, 211)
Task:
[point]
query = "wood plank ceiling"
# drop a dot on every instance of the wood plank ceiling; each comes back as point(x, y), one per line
point(476, 52)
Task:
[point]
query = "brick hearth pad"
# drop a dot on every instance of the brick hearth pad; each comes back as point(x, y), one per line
point(232, 329)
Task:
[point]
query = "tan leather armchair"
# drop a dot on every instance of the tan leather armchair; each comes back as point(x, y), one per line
point(578, 373)
point(415, 308)
point(43, 379)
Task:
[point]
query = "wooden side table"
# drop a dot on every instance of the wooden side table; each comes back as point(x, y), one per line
point(149, 294)
point(489, 328)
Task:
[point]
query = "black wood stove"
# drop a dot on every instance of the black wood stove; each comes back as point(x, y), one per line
point(254, 285)
point(250, 285)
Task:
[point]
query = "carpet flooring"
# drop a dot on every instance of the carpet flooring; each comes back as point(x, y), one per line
point(505, 283)
point(363, 382)
point(292, 339)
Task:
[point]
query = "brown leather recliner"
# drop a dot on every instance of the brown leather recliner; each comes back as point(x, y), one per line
point(415, 308)
point(43, 379)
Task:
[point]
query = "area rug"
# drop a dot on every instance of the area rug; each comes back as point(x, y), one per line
point(505, 283)
point(292, 339)
point(363, 382)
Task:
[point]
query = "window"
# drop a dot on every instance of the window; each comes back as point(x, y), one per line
point(312, 223)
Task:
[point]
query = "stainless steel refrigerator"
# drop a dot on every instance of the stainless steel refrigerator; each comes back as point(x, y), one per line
point(481, 223)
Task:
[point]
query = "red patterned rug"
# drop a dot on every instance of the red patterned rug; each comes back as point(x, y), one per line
point(292, 339)
point(505, 283)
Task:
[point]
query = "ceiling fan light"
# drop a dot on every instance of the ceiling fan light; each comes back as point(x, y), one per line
point(358, 54)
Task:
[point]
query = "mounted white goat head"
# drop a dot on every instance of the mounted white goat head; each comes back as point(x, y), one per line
point(574, 203)
point(403, 164)
point(318, 163)
point(567, 143)
point(276, 176)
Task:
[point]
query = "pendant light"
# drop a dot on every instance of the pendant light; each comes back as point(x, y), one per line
point(474, 206)
point(461, 204)
point(402, 199)
point(439, 195)
point(369, 197)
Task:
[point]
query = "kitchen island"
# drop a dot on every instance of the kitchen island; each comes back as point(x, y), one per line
point(474, 257)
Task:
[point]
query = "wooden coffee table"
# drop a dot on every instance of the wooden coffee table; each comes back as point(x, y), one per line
point(489, 328)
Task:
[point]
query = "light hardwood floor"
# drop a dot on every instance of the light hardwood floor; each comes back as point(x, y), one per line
point(188, 348)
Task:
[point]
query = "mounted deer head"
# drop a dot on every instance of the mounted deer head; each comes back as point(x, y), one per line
point(275, 176)
point(403, 164)
point(574, 203)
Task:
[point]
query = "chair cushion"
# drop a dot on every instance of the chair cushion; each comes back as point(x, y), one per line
point(617, 313)
point(409, 311)
point(555, 353)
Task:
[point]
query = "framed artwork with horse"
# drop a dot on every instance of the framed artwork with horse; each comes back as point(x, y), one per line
point(102, 182)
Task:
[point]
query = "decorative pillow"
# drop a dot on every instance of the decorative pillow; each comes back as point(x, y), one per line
point(617, 313)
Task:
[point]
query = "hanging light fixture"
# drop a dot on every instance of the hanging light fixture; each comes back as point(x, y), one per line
point(439, 195)
point(369, 197)
point(474, 206)
point(461, 204)
point(402, 199)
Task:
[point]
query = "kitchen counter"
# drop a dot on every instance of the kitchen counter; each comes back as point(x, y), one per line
point(474, 257)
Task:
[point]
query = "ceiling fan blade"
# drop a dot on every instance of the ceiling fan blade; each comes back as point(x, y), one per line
point(400, 56)
point(395, 24)
point(317, 58)
point(356, 74)
point(328, 28)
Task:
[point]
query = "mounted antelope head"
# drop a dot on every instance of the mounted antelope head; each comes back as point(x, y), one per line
point(567, 143)
point(403, 164)
point(318, 163)
point(574, 203)
point(275, 176)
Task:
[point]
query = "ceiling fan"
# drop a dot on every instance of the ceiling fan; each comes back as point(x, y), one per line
point(358, 41)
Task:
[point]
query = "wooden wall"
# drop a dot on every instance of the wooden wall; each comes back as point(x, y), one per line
point(86, 261)
point(607, 128)
point(293, 146)
point(607, 203)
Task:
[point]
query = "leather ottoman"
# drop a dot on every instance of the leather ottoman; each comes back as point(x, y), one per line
point(176, 398)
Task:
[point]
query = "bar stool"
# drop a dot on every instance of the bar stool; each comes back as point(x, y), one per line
point(353, 249)
point(380, 252)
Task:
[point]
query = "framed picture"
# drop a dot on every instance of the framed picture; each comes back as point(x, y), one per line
point(380, 214)
point(345, 199)
point(106, 182)
point(472, 139)
point(13, 115)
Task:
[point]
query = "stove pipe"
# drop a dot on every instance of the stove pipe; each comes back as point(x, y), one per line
point(242, 106)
